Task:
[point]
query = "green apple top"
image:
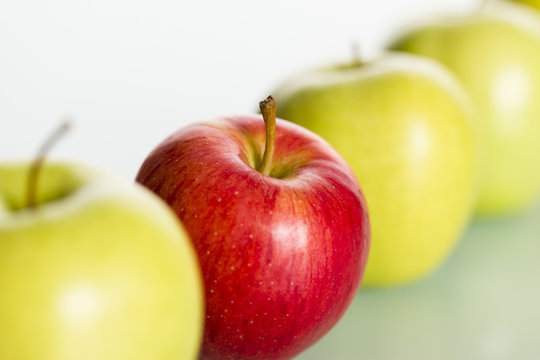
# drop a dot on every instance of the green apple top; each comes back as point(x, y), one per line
point(496, 55)
point(98, 269)
point(404, 125)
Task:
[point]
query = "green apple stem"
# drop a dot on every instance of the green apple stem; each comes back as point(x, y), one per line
point(268, 110)
point(356, 53)
point(33, 175)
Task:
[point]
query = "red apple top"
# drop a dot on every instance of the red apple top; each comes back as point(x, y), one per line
point(282, 254)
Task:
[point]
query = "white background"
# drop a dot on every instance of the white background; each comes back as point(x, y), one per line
point(131, 72)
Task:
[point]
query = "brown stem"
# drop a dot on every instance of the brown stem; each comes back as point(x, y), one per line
point(32, 184)
point(268, 110)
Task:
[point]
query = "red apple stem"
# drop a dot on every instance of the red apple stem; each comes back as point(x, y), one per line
point(268, 110)
point(37, 164)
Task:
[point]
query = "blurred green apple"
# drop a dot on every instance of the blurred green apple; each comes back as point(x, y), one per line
point(404, 125)
point(533, 3)
point(496, 55)
point(98, 269)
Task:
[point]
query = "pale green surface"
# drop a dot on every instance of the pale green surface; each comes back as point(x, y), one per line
point(496, 55)
point(403, 125)
point(482, 304)
point(105, 272)
point(533, 3)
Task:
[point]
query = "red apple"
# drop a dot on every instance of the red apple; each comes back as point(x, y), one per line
point(282, 238)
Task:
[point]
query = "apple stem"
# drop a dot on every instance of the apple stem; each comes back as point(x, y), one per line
point(356, 53)
point(268, 110)
point(33, 175)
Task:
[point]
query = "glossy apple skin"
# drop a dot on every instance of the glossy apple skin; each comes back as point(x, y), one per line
point(495, 54)
point(282, 258)
point(404, 126)
point(101, 269)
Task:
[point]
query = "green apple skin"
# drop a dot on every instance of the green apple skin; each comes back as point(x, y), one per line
point(496, 55)
point(404, 126)
point(99, 270)
point(534, 3)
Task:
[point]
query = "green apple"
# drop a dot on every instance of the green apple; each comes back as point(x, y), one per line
point(533, 3)
point(98, 270)
point(496, 55)
point(404, 125)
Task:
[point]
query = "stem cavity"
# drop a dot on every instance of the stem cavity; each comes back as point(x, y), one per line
point(268, 110)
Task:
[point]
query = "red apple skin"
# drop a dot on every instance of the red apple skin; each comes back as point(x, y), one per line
point(281, 258)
